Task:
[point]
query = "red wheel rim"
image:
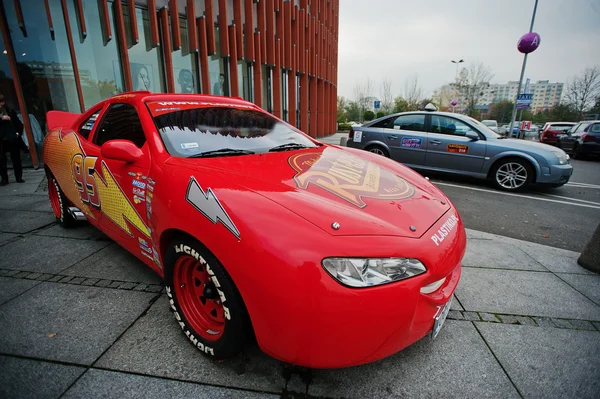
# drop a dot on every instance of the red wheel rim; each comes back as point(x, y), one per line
point(54, 200)
point(204, 313)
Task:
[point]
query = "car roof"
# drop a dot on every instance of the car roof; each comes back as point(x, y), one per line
point(146, 96)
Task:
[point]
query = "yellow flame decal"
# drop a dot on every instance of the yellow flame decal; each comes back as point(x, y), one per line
point(58, 155)
point(115, 204)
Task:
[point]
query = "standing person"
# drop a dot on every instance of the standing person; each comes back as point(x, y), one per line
point(11, 129)
point(219, 87)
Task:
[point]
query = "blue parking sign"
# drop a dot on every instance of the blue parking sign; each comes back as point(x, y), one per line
point(376, 104)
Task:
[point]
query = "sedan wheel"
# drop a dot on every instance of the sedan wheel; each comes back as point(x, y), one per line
point(379, 151)
point(512, 175)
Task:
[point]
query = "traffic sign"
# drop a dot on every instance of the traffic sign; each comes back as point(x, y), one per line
point(524, 101)
point(526, 125)
point(376, 104)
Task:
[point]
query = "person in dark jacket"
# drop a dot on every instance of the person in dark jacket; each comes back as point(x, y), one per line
point(11, 142)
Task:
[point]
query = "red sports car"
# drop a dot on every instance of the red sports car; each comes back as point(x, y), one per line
point(329, 256)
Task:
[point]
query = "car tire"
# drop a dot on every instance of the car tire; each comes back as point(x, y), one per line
point(59, 204)
point(204, 300)
point(379, 150)
point(576, 152)
point(512, 174)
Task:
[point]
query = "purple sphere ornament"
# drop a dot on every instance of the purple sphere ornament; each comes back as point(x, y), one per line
point(454, 102)
point(528, 43)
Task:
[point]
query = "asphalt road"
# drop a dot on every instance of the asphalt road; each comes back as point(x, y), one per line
point(562, 217)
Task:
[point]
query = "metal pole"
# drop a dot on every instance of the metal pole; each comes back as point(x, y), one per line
point(514, 113)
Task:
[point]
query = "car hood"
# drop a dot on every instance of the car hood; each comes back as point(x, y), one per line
point(329, 185)
point(523, 145)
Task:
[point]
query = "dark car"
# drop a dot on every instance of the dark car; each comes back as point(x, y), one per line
point(582, 139)
point(553, 130)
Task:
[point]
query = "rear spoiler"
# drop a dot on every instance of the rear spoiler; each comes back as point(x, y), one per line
point(61, 119)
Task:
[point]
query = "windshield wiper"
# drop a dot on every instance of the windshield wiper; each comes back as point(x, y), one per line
point(289, 146)
point(221, 152)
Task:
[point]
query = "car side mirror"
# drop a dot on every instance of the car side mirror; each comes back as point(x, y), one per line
point(121, 150)
point(472, 135)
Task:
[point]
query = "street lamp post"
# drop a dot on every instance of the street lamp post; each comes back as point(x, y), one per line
point(457, 62)
point(533, 41)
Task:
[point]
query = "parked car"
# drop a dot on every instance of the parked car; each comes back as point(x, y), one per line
point(492, 124)
point(453, 143)
point(582, 139)
point(553, 130)
point(259, 230)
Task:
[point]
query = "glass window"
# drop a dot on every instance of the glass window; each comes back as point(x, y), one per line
point(217, 68)
point(284, 95)
point(184, 65)
point(88, 125)
point(409, 122)
point(595, 128)
point(245, 76)
point(446, 125)
point(193, 131)
point(98, 62)
point(121, 122)
point(145, 61)
point(581, 127)
point(44, 65)
point(386, 123)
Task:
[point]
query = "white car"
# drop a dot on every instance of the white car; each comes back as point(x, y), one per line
point(492, 124)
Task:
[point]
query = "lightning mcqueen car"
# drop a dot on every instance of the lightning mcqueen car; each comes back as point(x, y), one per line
point(329, 256)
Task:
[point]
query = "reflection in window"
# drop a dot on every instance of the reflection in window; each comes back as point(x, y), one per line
point(284, 95)
point(245, 74)
point(217, 66)
point(184, 65)
point(99, 67)
point(145, 61)
point(44, 65)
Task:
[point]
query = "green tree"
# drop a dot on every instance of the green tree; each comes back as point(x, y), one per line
point(369, 115)
point(558, 113)
point(341, 109)
point(352, 111)
point(380, 114)
point(502, 111)
point(400, 105)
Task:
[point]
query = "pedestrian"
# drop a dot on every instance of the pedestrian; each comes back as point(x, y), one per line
point(11, 142)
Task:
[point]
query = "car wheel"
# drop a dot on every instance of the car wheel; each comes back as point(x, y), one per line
point(512, 174)
point(59, 203)
point(375, 149)
point(576, 152)
point(204, 300)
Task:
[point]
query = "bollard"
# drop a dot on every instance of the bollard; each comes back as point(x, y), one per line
point(590, 257)
point(343, 141)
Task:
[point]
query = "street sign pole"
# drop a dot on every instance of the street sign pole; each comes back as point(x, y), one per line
point(514, 113)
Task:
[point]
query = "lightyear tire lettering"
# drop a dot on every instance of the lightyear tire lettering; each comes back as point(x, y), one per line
point(230, 338)
point(59, 203)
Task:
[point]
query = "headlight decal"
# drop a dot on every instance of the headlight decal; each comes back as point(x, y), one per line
point(369, 272)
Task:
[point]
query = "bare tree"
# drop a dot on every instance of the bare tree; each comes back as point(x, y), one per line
point(471, 82)
point(413, 93)
point(583, 89)
point(363, 93)
point(387, 99)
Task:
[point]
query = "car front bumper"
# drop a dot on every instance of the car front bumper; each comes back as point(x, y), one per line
point(329, 325)
point(555, 174)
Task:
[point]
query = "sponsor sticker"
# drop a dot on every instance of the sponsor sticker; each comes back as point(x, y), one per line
point(410, 142)
point(146, 250)
point(137, 175)
point(458, 148)
point(150, 181)
point(138, 191)
point(187, 146)
point(138, 199)
point(142, 241)
point(357, 136)
point(147, 255)
point(139, 184)
point(445, 230)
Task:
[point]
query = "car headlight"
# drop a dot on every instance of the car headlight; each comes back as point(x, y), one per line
point(563, 157)
point(368, 272)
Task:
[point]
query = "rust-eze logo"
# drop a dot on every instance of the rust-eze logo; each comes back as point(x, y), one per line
point(348, 177)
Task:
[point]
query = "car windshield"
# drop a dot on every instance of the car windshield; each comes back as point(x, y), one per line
point(561, 128)
point(190, 130)
point(482, 128)
point(489, 123)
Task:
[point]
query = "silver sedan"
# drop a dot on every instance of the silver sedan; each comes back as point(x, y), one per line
point(458, 144)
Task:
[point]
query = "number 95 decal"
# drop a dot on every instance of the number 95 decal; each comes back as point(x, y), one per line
point(83, 173)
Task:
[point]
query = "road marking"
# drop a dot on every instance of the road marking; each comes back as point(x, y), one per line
point(519, 195)
point(572, 199)
point(583, 185)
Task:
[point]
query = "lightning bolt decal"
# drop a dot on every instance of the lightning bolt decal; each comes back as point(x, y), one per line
point(208, 204)
point(115, 204)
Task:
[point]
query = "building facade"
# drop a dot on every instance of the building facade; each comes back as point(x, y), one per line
point(545, 95)
point(67, 55)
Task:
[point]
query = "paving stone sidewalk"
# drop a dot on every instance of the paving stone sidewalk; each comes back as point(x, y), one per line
point(80, 317)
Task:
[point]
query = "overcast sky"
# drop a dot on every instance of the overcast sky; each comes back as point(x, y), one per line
point(400, 38)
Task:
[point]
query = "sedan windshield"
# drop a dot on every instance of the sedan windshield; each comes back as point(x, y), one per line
point(225, 131)
point(483, 128)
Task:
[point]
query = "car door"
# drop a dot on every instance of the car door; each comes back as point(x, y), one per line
point(406, 138)
point(120, 187)
point(449, 149)
point(567, 142)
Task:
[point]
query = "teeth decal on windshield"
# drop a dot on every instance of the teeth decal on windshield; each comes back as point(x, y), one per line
point(208, 204)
